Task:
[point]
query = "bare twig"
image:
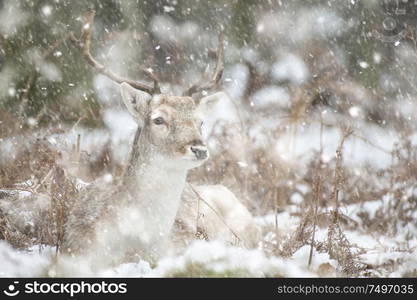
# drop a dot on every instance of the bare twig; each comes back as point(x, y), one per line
point(47, 177)
point(338, 176)
point(317, 192)
point(217, 75)
point(370, 143)
point(83, 44)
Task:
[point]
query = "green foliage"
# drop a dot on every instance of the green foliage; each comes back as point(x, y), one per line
point(37, 43)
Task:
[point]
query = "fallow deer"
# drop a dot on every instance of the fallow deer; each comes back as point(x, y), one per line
point(135, 218)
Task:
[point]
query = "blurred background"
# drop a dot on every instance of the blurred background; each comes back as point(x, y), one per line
point(353, 58)
point(321, 109)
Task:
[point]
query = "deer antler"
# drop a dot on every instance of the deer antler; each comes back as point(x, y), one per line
point(217, 75)
point(83, 44)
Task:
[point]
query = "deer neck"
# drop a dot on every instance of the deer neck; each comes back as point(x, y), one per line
point(153, 186)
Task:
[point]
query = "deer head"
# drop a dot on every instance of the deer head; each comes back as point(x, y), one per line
point(171, 125)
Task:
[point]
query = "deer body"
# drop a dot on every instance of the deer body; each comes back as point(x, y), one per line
point(132, 219)
point(213, 212)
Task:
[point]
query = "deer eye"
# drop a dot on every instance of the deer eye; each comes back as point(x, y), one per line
point(159, 121)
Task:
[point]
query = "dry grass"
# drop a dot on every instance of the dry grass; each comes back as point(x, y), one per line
point(263, 182)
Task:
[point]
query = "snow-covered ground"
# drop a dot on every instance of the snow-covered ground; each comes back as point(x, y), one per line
point(382, 255)
point(200, 259)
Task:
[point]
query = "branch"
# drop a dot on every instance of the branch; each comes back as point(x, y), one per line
point(83, 44)
point(217, 75)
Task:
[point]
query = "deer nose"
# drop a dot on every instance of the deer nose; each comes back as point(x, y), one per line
point(200, 152)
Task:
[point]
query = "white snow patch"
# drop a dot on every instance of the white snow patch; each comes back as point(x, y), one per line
point(15, 263)
point(271, 95)
point(296, 198)
point(318, 259)
point(300, 148)
point(290, 68)
point(217, 257)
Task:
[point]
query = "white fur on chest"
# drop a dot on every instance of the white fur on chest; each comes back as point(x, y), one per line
point(157, 199)
point(148, 218)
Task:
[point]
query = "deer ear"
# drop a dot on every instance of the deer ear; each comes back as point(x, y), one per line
point(206, 104)
point(135, 100)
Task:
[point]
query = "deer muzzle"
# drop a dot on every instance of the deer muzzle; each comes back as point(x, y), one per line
point(200, 152)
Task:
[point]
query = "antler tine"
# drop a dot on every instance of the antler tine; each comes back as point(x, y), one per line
point(149, 72)
point(218, 71)
point(83, 44)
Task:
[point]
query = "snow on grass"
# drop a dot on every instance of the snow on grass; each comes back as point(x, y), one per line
point(200, 259)
point(215, 259)
point(285, 221)
point(15, 263)
point(374, 150)
point(92, 140)
point(271, 95)
point(378, 258)
point(138, 269)
point(290, 68)
point(319, 260)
